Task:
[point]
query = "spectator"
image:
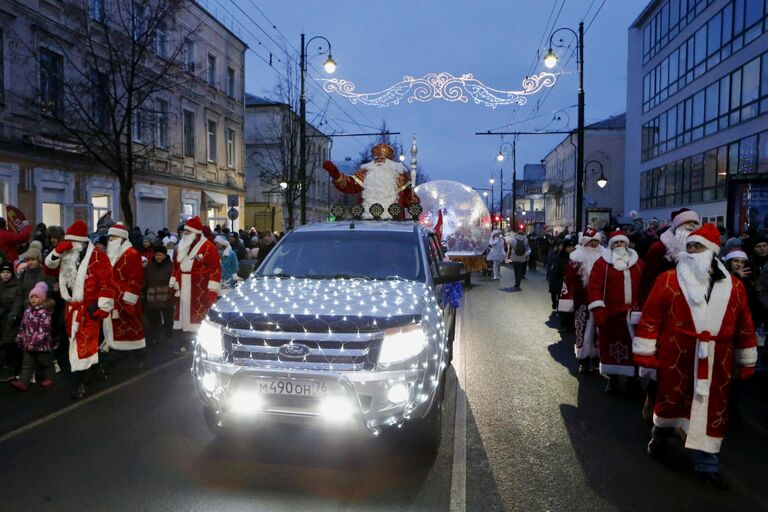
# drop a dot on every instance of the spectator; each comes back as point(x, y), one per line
point(35, 248)
point(9, 241)
point(146, 250)
point(228, 261)
point(519, 251)
point(54, 235)
point(156, 297)
point(265, 245)
point(556, 267)
point(496, 254)
point(34, 338)
point(237, 247)
point(33, 274)
point(534, 252)
point(100, 244)
point(10, 357)
point(169, 242)
point(136, 238)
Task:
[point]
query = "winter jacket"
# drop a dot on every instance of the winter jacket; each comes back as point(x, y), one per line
point(762, 290)
point(157, 293)
point(513, 256)
point(35, 331)
point(497, 250)
point(27, 280)
point(8, 322)
point(228, 266)
point(9, 241)
point(556, 267)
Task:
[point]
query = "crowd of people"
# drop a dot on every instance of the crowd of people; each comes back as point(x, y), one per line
point(674, 310)
point(68, 296)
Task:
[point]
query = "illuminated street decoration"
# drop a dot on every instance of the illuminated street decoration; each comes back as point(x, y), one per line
point(442, 86)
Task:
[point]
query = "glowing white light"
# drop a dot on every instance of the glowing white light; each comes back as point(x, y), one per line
point(209, 382)
point(398, 393)
point(245, 402)
point(550, 59)
point(402, 345)
point(337, 409)
point(209, 339)
point(329, 65)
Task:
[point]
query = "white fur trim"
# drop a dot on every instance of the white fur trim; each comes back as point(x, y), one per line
point(634, 317)
point(565, 305)
point(681, 423)
point(633, 257)
point(76, 364)
point(683, 217)
point(106, 303)
point(745, 356)
point(53, 260)
point(214, 286)
point(588, 346)
point(596, 304)
point(643, 346)
point(130, 298)
point(186, 262)
point(173, 284)
point(192, 230)
point(703, 241)
point(74, 238)
point(123, 248)
point(380, 185)
point(617, 238)
point(114, 231)
point(617, 369)
point(128, 345)
point(78, 290)
point(736, 254)
point(649, 373)
point(627, 286)
point(185, 304)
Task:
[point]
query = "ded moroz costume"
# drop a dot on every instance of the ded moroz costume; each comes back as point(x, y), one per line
point(696, 329)
point(573, 298)
point(612, 294)
point(124, 329)
point(196, 277)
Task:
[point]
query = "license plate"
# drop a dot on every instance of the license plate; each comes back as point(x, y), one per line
point(292, 387)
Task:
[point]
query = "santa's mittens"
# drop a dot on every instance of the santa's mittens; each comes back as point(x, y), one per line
point(63, 247)
point(99, 314)
point(331, 169)
point(746, 372)
point(646, 361)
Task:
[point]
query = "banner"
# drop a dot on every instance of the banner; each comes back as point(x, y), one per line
point(14, 217)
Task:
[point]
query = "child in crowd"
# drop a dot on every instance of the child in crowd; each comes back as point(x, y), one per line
point(35, 340)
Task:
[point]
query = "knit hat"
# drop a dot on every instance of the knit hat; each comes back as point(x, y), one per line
point(682, 216)
point(617, 236)
point(707, 235)
point(733, 243)
point(159, 248)
point(758, 239)
point(588, 235)
point(40, 290)
point(194, 225)
point(77, 232)
point(120, 230)
point(150, 238)
point(736, 254)
point(6, 267)
point(54, 232)
point(33, 253)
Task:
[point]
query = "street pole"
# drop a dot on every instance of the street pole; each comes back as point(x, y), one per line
point(501, 196)
point(514, 186)
point(302, 136)
point(580, 136)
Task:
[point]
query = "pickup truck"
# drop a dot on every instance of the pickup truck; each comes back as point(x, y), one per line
point(341, 326)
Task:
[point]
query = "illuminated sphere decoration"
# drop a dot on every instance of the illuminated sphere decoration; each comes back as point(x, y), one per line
point(337, 211)
point(376, 211)
point(357, 210)
point(395, 210)
point(466, 225)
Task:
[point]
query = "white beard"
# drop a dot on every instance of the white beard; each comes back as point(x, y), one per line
point(185, 244)
point(113, 249)
point(693, 272)
point(587, 256)
point(69, 265)
point(676, 243)
point(620, 258)
point(380, 185)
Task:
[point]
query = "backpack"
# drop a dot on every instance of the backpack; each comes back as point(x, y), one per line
point(520, 248)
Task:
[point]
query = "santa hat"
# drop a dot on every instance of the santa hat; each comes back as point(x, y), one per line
point(220, 240)
point(77, 232)
point(120, 230)
point(40, 290)
point(617, 236)
point(736, 254)
point(588, 235)
point(707, 235)
point(194, 225)
point(682, 216)
point(170, 239)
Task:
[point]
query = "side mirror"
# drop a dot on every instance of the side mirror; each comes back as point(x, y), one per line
point(450, 272)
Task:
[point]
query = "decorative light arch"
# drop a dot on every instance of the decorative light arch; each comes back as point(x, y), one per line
point(441, 86)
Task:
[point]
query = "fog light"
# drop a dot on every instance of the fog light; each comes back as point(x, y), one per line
point(337, 409)
point(245, 402)
point(398, 393)
point(209, 382)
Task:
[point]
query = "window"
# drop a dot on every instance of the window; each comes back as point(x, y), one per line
point(230, 147)
point(211, 70)
point(188, 55)
point(161, 40)
point(100, 99)
point(51, 81)
point(100, 206)
point(51, 214)
point(189, 133)
point(230, 82)
point(97, 10)
point(2, 70)
point(211, 141)
point(161, 128)
point(139, 125)
point(138, 21)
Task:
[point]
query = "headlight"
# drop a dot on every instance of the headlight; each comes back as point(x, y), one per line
point(209, 339)
point(401, 344)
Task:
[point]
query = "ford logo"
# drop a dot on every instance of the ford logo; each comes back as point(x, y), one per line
point(294, 350)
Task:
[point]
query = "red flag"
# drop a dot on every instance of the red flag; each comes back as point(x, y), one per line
point(14, 218)
point(439, 225)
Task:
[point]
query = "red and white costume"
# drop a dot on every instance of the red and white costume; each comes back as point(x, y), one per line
point(573, 297)
point(196, 278)
point(89, 296)
point(124, 328)
point(383, 182)
point(612, 294)
point(694, 345)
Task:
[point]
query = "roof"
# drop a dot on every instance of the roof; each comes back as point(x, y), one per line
point(361, 225)
point(251, 100)
point(203, 8)
point(644, 13)
point(618, 122)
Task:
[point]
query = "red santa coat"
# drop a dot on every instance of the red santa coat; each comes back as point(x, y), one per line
point(613, 302)
point(124, 329)
point(94, 286)
point(654, 264)
point(197, 274)
point(573, 299)
point(695, 347)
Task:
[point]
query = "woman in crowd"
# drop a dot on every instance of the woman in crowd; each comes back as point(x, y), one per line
point(157, 298)
point(10, 356)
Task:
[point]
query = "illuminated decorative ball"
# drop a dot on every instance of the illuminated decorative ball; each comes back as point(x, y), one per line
point(395, 210)
point(357, 210)
point(415, 210)
point(376, 211)
point(337, 211)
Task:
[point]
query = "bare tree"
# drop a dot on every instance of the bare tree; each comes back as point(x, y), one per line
point(365, 155)
point(104, 106)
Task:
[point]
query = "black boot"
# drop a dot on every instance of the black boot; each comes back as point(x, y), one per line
point(584, 365)
point(79, 392)
point(595, 364)
point(613, 384)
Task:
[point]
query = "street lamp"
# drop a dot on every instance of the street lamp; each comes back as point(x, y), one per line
point(401, 157)
point(550, 60)
point(511, 148)
point(602, 181)
point(283, 185)
point(330, 66)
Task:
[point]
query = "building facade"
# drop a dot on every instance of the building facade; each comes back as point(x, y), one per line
point(189, 132)
point(697, 104)
point(603, 151)
point(529, 200)
point(272, 150)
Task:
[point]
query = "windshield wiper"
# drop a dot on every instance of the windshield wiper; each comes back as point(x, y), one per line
point(334, 276)
point(279, 275)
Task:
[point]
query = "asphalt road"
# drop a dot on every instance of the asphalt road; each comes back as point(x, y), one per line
point(533, 435)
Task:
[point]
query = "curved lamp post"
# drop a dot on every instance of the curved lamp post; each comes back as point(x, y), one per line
point(330, 66)
point(602, 181)
point(511, 149)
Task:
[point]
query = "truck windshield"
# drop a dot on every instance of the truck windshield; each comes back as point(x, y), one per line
point(348, 254)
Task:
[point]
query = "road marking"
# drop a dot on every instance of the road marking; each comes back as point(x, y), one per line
point(81, 403)
point(459, 469)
